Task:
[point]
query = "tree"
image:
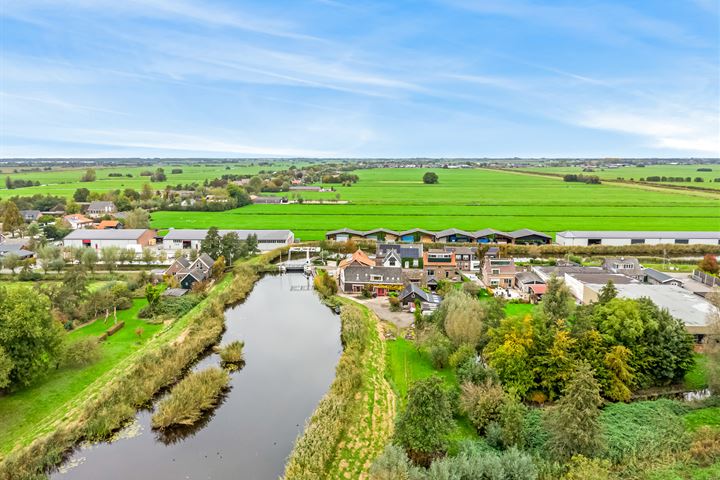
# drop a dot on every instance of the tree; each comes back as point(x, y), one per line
point(88, 176)
point(110, 256)
point(81, 195)
point(12, 220)
point(89, 259)
point(607, 293)
point(212, 243)
point(619, 321)
point(424, 426)
point(28, 334)
point(508, 353)
point(47, 255)
point(482, 403)
point(148, 256)
point(147, 192)
point(430, 178)
point(251, 243)
point(464, 317)
point(230, 247)
point(619, 374)
point(152, 294)
point(255, 184)
point(709, 264)
point(392, 464)
point(218, 268)
point(6, 366)
point(239, 194)
point(557, 302)
point(8, 183)
point(137, 218)
point(11, 261)
point(574, 422)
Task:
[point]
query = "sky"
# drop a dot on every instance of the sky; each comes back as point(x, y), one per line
point(357, 78)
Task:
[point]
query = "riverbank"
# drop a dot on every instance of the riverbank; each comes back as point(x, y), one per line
point(355, 419)
point(109, 401)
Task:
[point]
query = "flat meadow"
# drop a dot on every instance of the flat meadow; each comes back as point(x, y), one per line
point(469, 199)
point(636, 173)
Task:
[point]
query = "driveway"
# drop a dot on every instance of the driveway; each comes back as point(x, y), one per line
point(381, 308)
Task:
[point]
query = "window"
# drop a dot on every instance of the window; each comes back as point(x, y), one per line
point(594, 241)
point(681, 241)
point(415, 262)
point(376, 278)
point(494, 283)
point(431, 272)
point(391, 262)
point(507, 281)
point(637, 241)
point(496, 271)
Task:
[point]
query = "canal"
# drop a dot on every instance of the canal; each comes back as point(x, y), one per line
point(292, 344)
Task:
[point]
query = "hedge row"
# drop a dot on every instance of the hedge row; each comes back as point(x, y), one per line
point(118, 401)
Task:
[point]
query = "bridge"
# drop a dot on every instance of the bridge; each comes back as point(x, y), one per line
point(299, 265)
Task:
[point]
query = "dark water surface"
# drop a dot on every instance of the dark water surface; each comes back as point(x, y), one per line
point(292, 343)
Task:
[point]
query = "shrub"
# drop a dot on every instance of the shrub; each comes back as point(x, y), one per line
point(436, 345)
point(392, 464)
point(81, 352)
point(482, 403)
point(232, 352)
point(472, 371)
point(394, 304)
point(462, 355)
point(705, 448)
point(583, 468)
point(196, 393)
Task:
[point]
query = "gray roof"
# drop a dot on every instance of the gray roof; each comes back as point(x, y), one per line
point(406, 250)
point(100, 205)
point(691, 309)
point(528, 277)
point(424, 296)
point(174, 292)
point(108, 234)
point(525, 232)
point(206, 259)
point(489, 231)
point(30, 213)
point(346, 230)
point(602, 278)
point(15, 248)
point(361, 274)
point(453, 231)
point(658, 276)
point(180, 234)
point(416, 230)
point(461, 250)
point(383, 230)
point(639, 234)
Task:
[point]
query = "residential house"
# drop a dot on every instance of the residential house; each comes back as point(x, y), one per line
point(525, 236)
point(381, 234)
point(438, 265)
point(16, 247)
point(454, 235)
point(582, 238)
point(355, 278)
point(493, 252)
point(655, 277)
point(344, 234)
point(100, 208)
point(77, 220)
point(417, 235)
point(187, 278)
point(586, 286)
point(629, 266)
point(188, 272)
point(499, 272)
point(358, 258)
point(191, 239)
point(465, 257)
point(411, 254)
point(180, 264)
point(536, 292)
point(131, 238)
point(30, 215)
point(412, 292)
point(392, 259)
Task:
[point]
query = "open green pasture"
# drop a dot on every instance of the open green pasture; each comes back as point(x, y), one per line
point(636, 173)
point(469, 199)
point(23, 411)
point(64, 182)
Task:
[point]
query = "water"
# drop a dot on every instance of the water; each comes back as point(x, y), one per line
point(292, 344)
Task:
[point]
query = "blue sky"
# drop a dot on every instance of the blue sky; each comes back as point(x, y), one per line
point(342, 78)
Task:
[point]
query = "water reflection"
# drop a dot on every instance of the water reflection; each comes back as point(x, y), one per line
point(292, 343)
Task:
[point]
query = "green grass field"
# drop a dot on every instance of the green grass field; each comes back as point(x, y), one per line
point(21, 413)
point(472, 200)
point(636, 173)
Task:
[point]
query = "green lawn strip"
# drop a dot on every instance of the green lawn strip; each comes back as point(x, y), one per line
point(696, 377)
point(518, 308)
point(64, 407)
point(682, 471)
point(709, 416)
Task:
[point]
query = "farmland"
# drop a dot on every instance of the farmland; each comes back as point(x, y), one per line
point(636, 173)
point(468, 199)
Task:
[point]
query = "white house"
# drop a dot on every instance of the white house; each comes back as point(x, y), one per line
point(583, 238)
point(191, 239)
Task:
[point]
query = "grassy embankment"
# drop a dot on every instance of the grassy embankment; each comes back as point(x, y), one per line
point(112, 399)
point(354, 420)
point(468, 199)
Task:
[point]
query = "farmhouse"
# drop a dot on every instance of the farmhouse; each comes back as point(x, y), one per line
point(189, 272)
point(655, 277)
point(353, 279)
point(132, 238)
point(30, 215)
point(77, 220)
point(190, 239)
point(584, 238)
point(99, 208)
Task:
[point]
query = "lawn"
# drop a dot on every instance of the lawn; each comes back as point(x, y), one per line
point(636, 173)
point(469, 199)
point(21, 412)
point(696, 378)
